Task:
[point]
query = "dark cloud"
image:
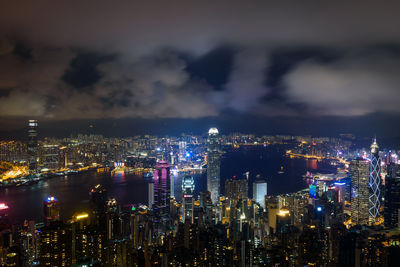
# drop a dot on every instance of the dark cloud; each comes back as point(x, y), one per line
point(82, 71)
point(97, 59)
point(214, 67)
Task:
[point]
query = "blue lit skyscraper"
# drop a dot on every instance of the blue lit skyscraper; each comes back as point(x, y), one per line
point(213, 165)
point(374, 183)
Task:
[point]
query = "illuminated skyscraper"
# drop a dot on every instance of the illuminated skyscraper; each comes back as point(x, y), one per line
point(3, 215)
point(359, 171)
point(374, 183)
point(392, 196)
point(150, 194)
point(49, 156)
point(33, 146)
point(51, 209)
point(213, 165)
point(187, 192)
point(98, 203)
point(259, 192)
point(162, 188)
point(236, 189)
point(55, 244)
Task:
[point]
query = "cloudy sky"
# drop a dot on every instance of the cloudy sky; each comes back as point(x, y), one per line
point(237, 64)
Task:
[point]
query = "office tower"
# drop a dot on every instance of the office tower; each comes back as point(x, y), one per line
point(182, 151)
point(162, 189)
point(112, 220)
point(359, 171)
point(33, 146)
point(236, 190)
point(80, 239)
point(55, 245)
point(272, 210)
point(62, 157)
point(340, 188)
point(259, 192)
point(51, 209)
point(187, 192)
point(4, 222)
point(374, 183)
point(392, 196)
point(49, 157)
point(150, 187)
point(213, 165)
point(206, 205)
point(98, 203)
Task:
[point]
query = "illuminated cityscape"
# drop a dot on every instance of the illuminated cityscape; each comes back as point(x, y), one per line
point(242, 227)
point(199, 133)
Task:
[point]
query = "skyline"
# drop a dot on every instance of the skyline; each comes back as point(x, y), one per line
point(299, 67)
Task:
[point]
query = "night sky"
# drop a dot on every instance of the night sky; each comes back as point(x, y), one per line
point(300, 68)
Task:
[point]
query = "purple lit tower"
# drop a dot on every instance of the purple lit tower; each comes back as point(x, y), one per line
point(162, 189)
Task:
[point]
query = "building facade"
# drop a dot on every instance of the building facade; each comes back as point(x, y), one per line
point(188, 198)
point(259, 192)
point(33, 148)
point(359, 171)
point(392, 196)
point(162, 188)
point(213, 165)
point(375, 184)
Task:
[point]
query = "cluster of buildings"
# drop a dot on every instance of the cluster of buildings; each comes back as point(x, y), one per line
point(346, 219)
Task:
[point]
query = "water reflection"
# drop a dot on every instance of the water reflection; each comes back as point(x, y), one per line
point(73, 191)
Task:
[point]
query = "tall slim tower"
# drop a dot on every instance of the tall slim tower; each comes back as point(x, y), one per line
point(374, 183)
point(188, 201)
point(213, 165)
point(162, 189)
point(359, 171)
point(33, 148)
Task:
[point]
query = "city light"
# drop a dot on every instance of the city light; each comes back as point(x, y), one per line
point(3, 206)
point(283, 212)
point(51, 199)
point(81, 216)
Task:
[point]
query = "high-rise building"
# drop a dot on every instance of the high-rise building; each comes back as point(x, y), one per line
point(98, 204)
point(49, 157)
point(259, 192)
point(162, 188)
point(55, 245)
point(33, 148)
point(188, 200)
point(150, 194)
point(213, 165)
point(374, 183)
point(51, 209)
point(4, 222)
point(236, 189)
point(359, 171)
point(392, 196)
